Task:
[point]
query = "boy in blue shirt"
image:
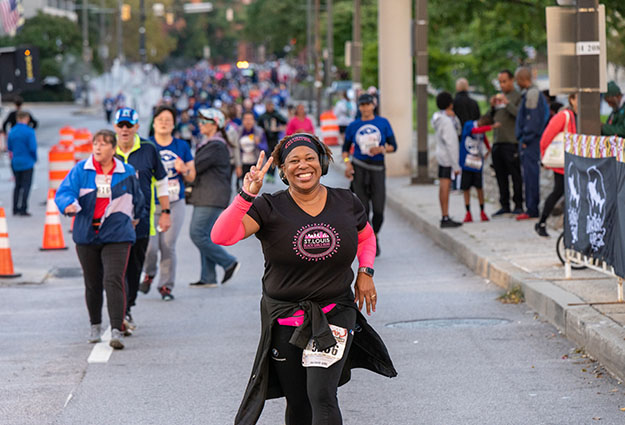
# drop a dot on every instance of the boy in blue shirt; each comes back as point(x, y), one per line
point(474, 149)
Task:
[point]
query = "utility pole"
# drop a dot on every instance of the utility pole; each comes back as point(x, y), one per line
point(420, 162)
point(588, 98)
point(142, 51)
point(120, 47)
point(329, 48)
point(318, 83)
point(85, 49)
point(356, 47)
point(309, 52)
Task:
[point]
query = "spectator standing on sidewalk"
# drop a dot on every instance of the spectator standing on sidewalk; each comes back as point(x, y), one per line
point(178, 161)
point(530, 123)
point(211, 195)
point(504, 108)
point(272, 122)
point(474, 150)
point(615, 125)
point(144, 157)
point(465, 108)
point(22, 146)
point(372, 138)
point(447, 127)
point(563, 121)
point(104, 195)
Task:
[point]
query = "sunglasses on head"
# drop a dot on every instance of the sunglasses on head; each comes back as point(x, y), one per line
point(205, 121)
point(125, 124)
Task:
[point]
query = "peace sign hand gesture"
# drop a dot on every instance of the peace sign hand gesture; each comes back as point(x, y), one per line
point(253, 181)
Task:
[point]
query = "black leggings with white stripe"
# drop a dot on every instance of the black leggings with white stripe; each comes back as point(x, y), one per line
point(310, 391)
point(104, 268)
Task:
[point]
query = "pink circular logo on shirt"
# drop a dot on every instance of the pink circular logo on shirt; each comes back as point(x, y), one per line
point(316, 242)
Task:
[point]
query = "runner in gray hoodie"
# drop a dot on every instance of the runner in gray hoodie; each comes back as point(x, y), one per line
point(447, 127)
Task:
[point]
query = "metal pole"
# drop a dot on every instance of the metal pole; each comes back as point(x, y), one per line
point(356, 47)
point(85, 49)
point(309, 52)
point(420, 163)
point(318, 83)
point(588, 100)
point(329, 48)
point(120, 47)
point(142, 52)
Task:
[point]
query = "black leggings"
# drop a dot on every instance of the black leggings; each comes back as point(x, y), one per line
point(310, 391)
point(370, 187)
point(554, 196)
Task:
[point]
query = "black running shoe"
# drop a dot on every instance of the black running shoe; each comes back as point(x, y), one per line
point(541, 229)
point(502, 211)
point(200, 284)
point(448, 223)
point(231, 271)
point(166, 293)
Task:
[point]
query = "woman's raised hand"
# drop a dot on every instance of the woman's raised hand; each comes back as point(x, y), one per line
point(253, 181)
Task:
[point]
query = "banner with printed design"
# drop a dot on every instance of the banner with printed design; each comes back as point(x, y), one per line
point(592, 175)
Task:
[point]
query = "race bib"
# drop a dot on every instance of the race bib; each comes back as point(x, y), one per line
point(174, 189)
point(368, 141)
point(473, 161)
point(103, 184)
point(312, 357)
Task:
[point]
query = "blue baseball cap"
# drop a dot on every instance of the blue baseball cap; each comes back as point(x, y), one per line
point(128, 115)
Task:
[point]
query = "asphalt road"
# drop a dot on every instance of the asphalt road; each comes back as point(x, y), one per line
point(190, 359)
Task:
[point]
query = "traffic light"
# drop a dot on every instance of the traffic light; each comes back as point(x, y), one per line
point(126, 12)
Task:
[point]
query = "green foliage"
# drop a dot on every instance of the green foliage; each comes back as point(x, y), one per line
point(275, 24)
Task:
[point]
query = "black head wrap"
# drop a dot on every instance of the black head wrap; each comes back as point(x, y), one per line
point(295, 141)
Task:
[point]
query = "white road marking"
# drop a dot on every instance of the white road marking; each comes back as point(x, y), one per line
point(69, 397)
point(102, 351)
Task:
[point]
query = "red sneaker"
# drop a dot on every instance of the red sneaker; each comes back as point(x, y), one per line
point(483, 216)
point(468, 218)
point(523, 216)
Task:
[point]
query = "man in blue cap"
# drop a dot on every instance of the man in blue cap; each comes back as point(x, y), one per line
point(144, 157)
point(615, 125)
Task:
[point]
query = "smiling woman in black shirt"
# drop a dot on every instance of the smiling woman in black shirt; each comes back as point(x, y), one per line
point(313, 333)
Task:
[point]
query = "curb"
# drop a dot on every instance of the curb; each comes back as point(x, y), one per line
point(602, 338)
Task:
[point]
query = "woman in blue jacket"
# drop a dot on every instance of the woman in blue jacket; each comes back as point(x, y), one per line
point(104, 195)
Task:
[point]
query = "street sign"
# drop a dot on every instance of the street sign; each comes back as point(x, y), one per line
point(563, 51)
point(198, 7)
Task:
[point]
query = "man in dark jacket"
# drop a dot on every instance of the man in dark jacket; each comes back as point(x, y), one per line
point(465, 108)
point(530, 122)
point(504, 108)
point(22, 145)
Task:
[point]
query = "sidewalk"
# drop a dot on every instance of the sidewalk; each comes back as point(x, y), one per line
point(509, 254)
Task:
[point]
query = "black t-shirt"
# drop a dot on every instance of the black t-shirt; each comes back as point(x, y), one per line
point(306, 257)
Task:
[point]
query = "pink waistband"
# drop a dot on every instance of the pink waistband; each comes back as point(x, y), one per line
point(298, 317)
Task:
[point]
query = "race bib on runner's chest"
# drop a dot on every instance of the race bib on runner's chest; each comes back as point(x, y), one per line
point(103, 184)
point(313, 357)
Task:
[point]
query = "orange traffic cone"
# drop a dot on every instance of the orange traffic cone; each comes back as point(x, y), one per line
point(52, 232)
point(6, 262)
